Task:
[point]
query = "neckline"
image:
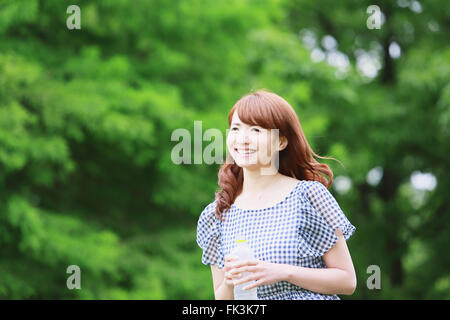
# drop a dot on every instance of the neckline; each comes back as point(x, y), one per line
point(273, 206)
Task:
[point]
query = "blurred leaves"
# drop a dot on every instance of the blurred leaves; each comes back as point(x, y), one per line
point(86, 118)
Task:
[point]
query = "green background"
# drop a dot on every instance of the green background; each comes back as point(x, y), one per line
point(86, 117)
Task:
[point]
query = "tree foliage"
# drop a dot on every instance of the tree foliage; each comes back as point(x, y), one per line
point(86, 118)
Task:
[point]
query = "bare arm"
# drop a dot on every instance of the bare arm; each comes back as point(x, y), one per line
point(221, 290)
point(338, 278)
point(222, 281)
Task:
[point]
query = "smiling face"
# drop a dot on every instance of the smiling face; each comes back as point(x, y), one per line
point(253, 147)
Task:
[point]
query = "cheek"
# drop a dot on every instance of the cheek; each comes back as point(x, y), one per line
point(230, 141)
point(264, 144)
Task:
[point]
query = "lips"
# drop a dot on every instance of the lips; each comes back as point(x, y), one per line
point(244, 151)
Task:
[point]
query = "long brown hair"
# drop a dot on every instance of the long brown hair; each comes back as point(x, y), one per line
point(270, 111)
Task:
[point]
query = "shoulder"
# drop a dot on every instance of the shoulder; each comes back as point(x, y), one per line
point(290, 180)
point(311, 187)
point(210, 207)
point(316, 192)
point(208, 214)
point(293, 183)
point(208, 225)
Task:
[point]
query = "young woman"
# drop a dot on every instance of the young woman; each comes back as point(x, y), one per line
point(291, 221)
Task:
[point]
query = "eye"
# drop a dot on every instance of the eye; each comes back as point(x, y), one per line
point(256, 129)
point(234, 129)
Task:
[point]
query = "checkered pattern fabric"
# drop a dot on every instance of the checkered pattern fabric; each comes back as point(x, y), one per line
point(298, 231)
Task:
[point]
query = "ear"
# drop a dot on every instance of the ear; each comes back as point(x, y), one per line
point(283, 143)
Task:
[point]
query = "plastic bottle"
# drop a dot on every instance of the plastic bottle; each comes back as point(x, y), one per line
point(243, 252)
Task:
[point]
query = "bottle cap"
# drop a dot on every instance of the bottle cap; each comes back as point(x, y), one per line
point(240, 238)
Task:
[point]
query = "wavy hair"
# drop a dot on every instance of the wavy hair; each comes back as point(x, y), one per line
point(270, 111)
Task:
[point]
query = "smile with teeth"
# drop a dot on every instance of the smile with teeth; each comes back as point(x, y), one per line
point(244, 151)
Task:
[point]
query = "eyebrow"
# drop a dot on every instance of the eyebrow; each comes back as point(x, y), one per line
point(235, 124)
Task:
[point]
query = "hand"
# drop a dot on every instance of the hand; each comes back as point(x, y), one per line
point(229, 261)
point(262, 272)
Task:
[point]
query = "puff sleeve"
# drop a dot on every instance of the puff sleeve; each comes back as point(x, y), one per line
point(322, 216)
point(209, 237)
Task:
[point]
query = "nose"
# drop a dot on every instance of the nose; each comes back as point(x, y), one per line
point(243, 138)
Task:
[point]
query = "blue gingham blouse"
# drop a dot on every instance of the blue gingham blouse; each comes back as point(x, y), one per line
point(298, 231)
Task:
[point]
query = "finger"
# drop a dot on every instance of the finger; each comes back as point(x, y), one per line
point(228, 263)
point(228, 257)
point(245, 263)
point(246, 279)
point(244, 269)
point(253, 285)
point(232, 276)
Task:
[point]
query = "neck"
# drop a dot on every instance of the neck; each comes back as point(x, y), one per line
point(255, 182)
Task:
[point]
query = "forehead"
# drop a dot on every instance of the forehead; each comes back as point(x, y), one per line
point(236, 120)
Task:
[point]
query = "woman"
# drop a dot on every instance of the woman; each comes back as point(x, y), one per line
point(292, 222)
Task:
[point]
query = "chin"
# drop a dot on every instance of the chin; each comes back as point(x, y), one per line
point(247, 165)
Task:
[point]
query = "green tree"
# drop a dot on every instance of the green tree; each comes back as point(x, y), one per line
point(86, 117)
